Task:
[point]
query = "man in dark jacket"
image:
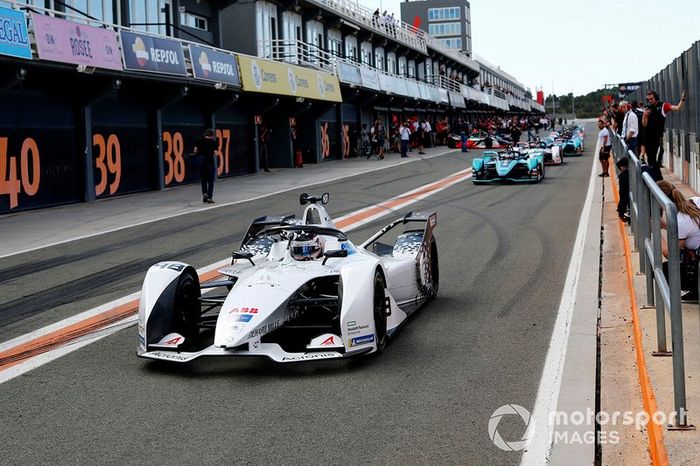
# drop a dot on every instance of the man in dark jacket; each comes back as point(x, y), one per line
point(208, 148)
point(624, 190)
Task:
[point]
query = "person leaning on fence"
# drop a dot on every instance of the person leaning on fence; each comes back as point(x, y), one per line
point(688, 218)
point(623, 182)
point(654, 123)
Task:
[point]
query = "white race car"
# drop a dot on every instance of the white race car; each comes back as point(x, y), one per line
point(297, 290)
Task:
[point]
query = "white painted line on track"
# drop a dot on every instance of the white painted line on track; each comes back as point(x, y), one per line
point(46, 357)
point(539, 449)
point(225, 204)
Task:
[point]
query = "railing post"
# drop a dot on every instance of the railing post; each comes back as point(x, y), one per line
point(657, 268)
point(674, 274)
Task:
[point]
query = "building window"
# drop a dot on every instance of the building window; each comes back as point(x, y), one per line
point(445, 29)
point(452, 43)
point(100, 9)
point(149, 15)
point(193, 21)
point(437, 14)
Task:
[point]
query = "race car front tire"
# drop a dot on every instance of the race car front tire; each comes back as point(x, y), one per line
point(186, 307)
point(379, 311)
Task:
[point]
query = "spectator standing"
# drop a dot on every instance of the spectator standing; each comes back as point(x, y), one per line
point(605, 144)
point(428, 134)
point(207, 147)
point(630, 126)
point(623, 189)
point(515, 131)
point(617, 118)
point(405, 134)
point(654, 123)
point(366, 145)
point(265, 132)
point(420, 138)
point(381, 139)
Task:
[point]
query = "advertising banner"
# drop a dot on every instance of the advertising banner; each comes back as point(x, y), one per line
point(214, 65)
point(425, 93)
point(259, 75)
point(14, 40)
point(68, 42)
point(370, 78)
point(385, 83)
point(400, 86)
point(412, 88)
point(456, 100)
point(349, 73)
point(154, 54)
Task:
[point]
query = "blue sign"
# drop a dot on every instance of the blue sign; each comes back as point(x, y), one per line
point(149, 53)
point(214, 65)
point(14, 40)
point(363, 340)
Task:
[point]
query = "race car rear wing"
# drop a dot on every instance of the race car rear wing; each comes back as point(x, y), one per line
point(430, 220)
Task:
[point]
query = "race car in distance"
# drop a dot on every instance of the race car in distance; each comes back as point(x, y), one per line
point(572, 137)
point(509, 165)
point(487, 141)
point(572, 146)
point(297, 290)
point(551, 149)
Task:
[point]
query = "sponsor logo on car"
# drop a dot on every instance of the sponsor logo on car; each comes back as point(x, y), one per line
point(305, 357)
point(244, 318)
point(355, 329)
point(243, 310)
point(265, 329)
point(168, 355)
point(328, 341)
point(363, 340)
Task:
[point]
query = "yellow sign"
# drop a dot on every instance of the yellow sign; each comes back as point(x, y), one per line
point(270, 77)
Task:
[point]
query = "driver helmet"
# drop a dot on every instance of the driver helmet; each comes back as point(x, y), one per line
point(306, 247)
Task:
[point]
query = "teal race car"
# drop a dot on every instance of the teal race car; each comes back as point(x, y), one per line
point(512, 165)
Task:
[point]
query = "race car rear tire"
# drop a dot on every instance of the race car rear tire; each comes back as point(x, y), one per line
point(186, 305)
point(379, 311)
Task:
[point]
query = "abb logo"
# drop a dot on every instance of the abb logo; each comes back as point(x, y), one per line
point(244, 310)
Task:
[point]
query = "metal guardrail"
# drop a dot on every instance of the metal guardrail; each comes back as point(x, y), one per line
point(297, 52)
point(647, 201)
point(398, 30)
point(444, 82)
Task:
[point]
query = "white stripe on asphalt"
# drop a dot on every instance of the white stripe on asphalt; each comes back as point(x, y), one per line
point(225, 204)
point(539, 449)
point(49, 356)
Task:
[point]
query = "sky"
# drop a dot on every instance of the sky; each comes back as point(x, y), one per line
point(578, 45)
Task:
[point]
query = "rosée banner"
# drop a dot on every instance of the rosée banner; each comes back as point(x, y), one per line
point(259, 75)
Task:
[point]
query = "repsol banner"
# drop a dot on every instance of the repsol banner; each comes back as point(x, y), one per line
point(214, 65)
point(154, 54)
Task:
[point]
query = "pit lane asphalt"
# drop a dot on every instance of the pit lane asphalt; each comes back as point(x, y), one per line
point(504, 253)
